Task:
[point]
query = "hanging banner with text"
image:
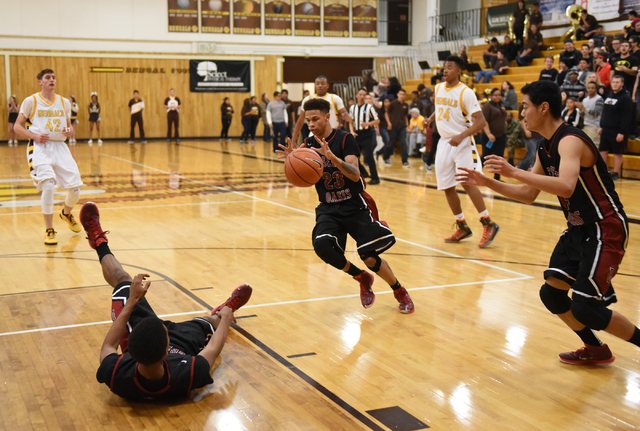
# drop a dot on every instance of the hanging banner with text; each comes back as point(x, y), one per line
point(183, 16)
point(601, 9)
point(277, 17)
point(215, 16)
point(554, 12)
point(247, 15)
point(364, 18)
point(209, 76)
point(628, 5)
point(336, 18)
point(307, 17)
point(498, 16)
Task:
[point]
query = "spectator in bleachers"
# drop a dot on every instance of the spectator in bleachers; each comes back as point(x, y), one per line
point(587, 27)
point(530, 51)
point(603, 68)
point(490, 55)
point(563, 70)
point(615, 122)
point(519, 16)
point(635, 48)
point(574, 88)
point(425, 94)
point(514, 137)
point(598, 36)
point(509, 49)
point(626, 65)
point(437, 76)
point(416, 103)
point(500, 67)
point(585, 52)
point(397, 123)
point(462, 53)
point(534, 33)
point(415, 132)
point(570, 56)
point(509, 96)
point(369, 82)
point(614, 52)
point(535, 17)
point(394, 87)
point(583, 71)
point(495, 127)
point(591, 107)
point(633, 28)
point(383, 86)
point(571, 113)
point(531, 142)
point(595, 78)
point(549, 73)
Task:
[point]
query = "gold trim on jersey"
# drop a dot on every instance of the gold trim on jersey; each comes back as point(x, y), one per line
point(455, 86)
point(46, 101)
point(35, 105)
point(464, 111)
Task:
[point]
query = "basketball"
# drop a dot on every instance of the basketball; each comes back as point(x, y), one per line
point(303, 167)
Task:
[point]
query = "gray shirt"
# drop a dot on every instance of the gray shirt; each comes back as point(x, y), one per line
point(277, 111)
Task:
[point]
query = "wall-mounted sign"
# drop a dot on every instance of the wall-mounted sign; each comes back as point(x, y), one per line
point(215, 16)
point(183, 16)
point(247, 15)
point(277, 17)
point(213, 76)
point(336, 18)
point(307, 17)
point(364, 18)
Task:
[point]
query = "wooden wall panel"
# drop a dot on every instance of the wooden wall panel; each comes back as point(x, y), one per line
point(199, 117)
point(4, 114)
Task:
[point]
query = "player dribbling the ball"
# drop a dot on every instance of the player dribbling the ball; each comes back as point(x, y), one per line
point(345, 208)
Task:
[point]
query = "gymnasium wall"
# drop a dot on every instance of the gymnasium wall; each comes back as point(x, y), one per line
point(200, 115)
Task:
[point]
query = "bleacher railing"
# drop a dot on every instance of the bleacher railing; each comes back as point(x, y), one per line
point(456, 26)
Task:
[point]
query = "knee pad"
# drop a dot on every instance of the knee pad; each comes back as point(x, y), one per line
point(72, 197)
point(46, 199)
point(328, 251)
point(556, 300)
point(376, 265)
point(592, 316)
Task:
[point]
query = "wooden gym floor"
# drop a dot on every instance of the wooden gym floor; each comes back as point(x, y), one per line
point(479, 353)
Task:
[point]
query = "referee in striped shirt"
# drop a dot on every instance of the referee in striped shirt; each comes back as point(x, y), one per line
point(362, 127)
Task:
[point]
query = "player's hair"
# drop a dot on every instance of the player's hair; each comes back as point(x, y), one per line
point(317, 105)
point(148, 341)
point(43, 72)
point(457, 60)
point(545, 91)
point(321, 77)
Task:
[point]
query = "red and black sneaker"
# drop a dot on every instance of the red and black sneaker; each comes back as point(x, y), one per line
point(491, 229)
point(406, 304)
point(90, 220)
point(238, 298)
point(461, 233)
point(367, 297)
point(588, 355)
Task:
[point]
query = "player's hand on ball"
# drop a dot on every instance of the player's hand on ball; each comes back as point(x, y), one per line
point(498, 165)
point(137, 289)
point(284, 153)
point(470, 177)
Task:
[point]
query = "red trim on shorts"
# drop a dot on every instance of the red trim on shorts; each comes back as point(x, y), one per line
point(116, 308)
point(193, 365)
point(613, 237)
point(371, 204)
point(113, 375)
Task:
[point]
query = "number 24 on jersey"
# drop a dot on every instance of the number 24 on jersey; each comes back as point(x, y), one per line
point(443, 114)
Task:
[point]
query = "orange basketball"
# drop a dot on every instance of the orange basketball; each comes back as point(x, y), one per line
point(303, 167)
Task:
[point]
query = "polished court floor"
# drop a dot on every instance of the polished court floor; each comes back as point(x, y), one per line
point(479, 353)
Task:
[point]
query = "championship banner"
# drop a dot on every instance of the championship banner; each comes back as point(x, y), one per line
point(498, 16)
point(215, 16)
point(208, 76)
point(307, 18)
point(364, 18)
point(336, 18)
point(247, 15)
point(183, 16)
point(601, 9)
point(554, 12)
point(277, 17)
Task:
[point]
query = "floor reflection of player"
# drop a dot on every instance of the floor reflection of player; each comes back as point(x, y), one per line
point(138, 177)
point(173, 155)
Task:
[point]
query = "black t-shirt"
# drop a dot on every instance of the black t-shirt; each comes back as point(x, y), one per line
point(383, 121)
point(334, 187)
point(183, 373)
point(548, 75)
point(629, 62)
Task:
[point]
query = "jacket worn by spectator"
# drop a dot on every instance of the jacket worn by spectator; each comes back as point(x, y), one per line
point(592, 110)
point(574, 118)
point(510, 50)
point(571, 59)
point(574, 89)
point(617, 112)
point(510, 100)
point(515, 135)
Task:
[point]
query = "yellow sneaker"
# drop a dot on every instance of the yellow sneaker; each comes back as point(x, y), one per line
point(50, 237)
point(73, 225)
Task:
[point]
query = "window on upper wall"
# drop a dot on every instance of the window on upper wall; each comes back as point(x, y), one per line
point(394, 22)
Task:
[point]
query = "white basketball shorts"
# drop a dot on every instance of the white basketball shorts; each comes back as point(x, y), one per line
point(53, 160)
point(449, 159)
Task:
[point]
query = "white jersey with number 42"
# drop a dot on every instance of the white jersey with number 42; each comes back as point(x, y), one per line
point(453, 108)
point(45, 117)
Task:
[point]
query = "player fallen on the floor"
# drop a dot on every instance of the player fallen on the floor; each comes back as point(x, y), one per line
point(346, 209)
point(590, 251)
point(160, 358)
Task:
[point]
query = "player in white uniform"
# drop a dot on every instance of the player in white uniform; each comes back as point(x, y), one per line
point(50, 162)
point(454, 102)
point(337, 106)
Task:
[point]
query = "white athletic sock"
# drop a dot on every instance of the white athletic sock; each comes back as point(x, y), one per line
point(484, 214)
point(72, 197)
point(459, 216)
point(46, 199)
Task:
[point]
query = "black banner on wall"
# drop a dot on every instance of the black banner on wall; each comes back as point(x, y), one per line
point(208, 76)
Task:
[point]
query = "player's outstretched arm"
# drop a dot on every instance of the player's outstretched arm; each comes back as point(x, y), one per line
point(136, 293)
point(285, 151)
point(216, 343)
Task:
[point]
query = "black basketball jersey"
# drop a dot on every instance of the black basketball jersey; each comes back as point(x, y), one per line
point(183, 373)
point(334, 187)
point(594, 197)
